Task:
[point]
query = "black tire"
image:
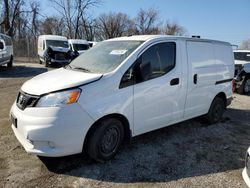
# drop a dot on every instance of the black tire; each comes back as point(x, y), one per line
point(10, 63)
point(216, 110)
point(244, 87)
point(105, 140)
point(46, 64)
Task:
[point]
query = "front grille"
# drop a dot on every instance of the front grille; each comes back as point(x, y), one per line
point(26, 100)
point(248, 164)
point(61, 56)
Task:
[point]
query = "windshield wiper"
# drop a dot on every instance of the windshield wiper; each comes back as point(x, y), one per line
point(81, 68)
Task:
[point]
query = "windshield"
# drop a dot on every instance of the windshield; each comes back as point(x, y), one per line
point(105, 56)
point(244, 56)
point(79, 47)
point(57, 43)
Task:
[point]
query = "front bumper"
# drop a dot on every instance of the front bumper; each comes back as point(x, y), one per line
point(58, 62)
point(52, 131)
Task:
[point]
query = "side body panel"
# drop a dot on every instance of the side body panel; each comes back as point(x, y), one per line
point(210, 72)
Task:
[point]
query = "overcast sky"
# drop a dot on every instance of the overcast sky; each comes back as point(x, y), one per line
point(227, 20)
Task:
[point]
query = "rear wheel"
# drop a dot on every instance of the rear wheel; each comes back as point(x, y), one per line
point(105, 140)
point(10, 63)
point(216, 110)
point(245, 86)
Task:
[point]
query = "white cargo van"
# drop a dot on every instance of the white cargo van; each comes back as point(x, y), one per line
point(122, 88)
point(53, 49)
point(6, 50)
point(78, 45)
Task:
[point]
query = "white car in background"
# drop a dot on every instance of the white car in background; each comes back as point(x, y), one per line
point(246, 171)
point(53, 50)
point(6, 50)
point(78, 45)
point(242, 71)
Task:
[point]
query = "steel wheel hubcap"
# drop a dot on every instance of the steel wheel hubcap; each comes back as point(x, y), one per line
point(110, 140)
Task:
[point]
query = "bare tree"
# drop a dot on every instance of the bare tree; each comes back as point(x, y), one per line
point(245, 45)
point(34, 17)
point(53, 26)
point(87, 28)
point(10, 15)
point(112, 25)
point(173, 29)
point(146, 22)
point(72, 11)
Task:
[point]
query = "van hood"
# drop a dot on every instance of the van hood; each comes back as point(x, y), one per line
point(57, 80)
point(59, 49)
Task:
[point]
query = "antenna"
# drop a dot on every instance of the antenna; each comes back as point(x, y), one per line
point(196, 36)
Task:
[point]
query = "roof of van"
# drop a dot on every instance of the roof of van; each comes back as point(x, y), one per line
point(78, 41)
point(150, 37)
point(57, 37)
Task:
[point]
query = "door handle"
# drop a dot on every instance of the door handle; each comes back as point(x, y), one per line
point(174, 81)
point(195, 79)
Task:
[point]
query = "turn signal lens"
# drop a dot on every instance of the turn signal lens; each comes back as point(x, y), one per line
point(73, 96)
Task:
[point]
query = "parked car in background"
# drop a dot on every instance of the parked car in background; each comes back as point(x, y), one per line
point(92, 43)
point(53, 50)
point(6, 50)
point(242, 71)
point(246, 171)
point(121, 88)
point(78, 45)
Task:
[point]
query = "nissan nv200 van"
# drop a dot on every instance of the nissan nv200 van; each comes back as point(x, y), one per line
point(6, 50)
point(119, 89)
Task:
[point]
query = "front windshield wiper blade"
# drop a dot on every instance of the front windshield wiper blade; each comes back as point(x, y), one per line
point(81, 68)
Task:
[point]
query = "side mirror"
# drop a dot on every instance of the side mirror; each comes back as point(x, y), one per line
point(1, 45)
point(145, 70)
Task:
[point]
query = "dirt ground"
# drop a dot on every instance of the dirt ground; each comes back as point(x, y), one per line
point(188, 154)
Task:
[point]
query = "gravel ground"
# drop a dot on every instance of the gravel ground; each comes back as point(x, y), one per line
point(188, 154)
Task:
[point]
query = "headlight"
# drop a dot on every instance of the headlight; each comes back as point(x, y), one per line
point(59, 98)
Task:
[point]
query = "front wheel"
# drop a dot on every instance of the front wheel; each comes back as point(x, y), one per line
point(105, 140)
point(10, 63)
point(216, 110)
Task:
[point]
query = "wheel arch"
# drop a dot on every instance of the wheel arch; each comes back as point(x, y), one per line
point(122, 118)
point(222, 95)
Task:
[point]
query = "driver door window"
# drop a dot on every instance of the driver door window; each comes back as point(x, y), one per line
point(161, 56)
